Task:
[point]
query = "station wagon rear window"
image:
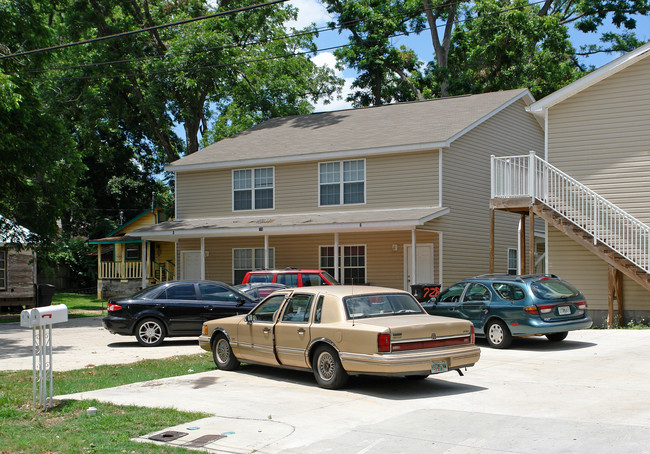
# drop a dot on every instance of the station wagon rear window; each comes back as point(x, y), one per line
point(550, 289)
point(381, 305)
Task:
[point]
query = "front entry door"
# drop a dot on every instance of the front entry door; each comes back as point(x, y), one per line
point(424, 265)
point(191, 270)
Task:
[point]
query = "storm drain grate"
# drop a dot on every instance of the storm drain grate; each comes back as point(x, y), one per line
point(202, 441)
point(168, 436)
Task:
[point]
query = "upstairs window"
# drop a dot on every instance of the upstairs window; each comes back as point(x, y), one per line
point(253, 189)
point(342, 182)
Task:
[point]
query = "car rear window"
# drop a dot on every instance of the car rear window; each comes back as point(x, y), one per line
point(509, 292)
point(551, 289)
point(383, 305)
point(260, 277)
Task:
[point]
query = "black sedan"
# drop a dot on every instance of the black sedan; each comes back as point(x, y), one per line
point(176, 308)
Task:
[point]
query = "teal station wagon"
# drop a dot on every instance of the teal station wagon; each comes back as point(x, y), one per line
point(504, 306)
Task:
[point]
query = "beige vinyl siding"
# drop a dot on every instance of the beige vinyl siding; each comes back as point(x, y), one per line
point(392, 181)
point(466, 191)
point(601, 137)
point(203, 194)
point(588, 273)
point(384, 267)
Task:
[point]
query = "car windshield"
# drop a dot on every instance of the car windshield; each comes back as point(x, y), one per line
point(147, 292)
point(330, 278)
point(550, 289)
point(380, 305)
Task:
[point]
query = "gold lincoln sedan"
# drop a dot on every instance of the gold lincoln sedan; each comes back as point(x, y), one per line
point(337, 331)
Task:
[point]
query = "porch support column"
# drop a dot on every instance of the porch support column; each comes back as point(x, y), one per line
point(144, 263)
point(202, 258)
point(491, 263)
point(99, 271)
point(414, 254)
point(521, 244)
point(266, 252)
point(614, 292)
point(531, 240)
point(336, 257)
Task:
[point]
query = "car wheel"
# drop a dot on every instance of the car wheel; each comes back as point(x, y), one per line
point(557, 337)
point(223, 355)
point(327, 368)
point(150, 332)
point(498, 335)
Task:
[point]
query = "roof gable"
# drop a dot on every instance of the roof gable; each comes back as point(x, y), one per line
point(591, 79)
point(410, 126)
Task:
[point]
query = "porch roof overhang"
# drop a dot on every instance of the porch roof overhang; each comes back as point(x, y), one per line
point(124, 239)
point(292, 224)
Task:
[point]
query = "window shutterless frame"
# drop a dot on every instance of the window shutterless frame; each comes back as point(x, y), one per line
point(339, 182)
point(250, 188)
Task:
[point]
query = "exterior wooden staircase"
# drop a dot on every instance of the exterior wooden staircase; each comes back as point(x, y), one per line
point(532, 187)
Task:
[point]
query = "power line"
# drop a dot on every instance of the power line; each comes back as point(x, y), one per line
point(142, 30)
point(278, 57)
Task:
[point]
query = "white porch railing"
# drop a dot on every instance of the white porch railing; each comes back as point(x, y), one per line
point(120, 270)
point(531, 176)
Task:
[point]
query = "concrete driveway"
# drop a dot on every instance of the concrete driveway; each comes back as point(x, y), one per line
point(590, 393)
point(83, 342)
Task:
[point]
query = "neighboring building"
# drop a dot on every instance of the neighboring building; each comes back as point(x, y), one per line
point(353, 192)
point(597, 138)
point(17, 266)
point(122, 257)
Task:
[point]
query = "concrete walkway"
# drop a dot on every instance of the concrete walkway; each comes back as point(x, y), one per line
point(83, 342)
point(588, 394)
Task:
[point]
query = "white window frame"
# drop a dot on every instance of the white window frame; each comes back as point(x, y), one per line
point(342, 183)
point(253, 251)
point(516, 268)
point(342, 260)
point(252, 188)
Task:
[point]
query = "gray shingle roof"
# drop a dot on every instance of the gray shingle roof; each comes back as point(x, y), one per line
point(410, 125)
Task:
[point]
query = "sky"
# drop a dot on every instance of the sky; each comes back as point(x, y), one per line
point(312, 11)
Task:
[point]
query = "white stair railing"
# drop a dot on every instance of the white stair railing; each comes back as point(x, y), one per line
point(531, 176)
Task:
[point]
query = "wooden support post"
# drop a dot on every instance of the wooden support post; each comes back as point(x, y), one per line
point(614, 292)
point(491, 263)
point(531, 240)
point(522, 244)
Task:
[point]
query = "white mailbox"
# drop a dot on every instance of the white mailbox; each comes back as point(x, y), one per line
point(42, 316)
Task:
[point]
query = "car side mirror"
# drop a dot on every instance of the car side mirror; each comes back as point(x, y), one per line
point(249, 318)
point(241, 301)
point(435, 300)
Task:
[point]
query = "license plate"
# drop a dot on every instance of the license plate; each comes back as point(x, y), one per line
point(564, 310)
point(439, 366)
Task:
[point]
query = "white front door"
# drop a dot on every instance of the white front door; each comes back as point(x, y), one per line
point(191, 270)
point(424, 265)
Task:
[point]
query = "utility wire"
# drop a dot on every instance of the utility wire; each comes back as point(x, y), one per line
point(142, 30)
point(241, 62)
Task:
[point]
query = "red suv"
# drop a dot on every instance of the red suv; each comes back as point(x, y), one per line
point(291, 277)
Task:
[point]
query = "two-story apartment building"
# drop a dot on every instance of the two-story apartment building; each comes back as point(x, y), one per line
point(591, 183)
point(390, 195)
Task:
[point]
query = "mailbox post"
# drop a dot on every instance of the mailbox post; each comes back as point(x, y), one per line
point(40, 320)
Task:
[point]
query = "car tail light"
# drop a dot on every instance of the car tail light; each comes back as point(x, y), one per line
point(383, 343)
point(113, 307)
point(531, 310)
point(547, 309)
point(472, 335)
point(582, 305)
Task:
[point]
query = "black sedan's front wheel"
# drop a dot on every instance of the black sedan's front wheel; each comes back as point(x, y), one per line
point(150, 332)
point(223, 355)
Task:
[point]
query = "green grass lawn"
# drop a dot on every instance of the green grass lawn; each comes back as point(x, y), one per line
point(67, 428)
point(78, 306)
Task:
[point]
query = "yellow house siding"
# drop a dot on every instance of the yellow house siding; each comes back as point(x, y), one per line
point(384, 266)
point(392, 181)
point(601, 138)
point(466, 191)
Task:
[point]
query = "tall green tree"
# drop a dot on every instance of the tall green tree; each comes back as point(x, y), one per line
point(386, 73)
